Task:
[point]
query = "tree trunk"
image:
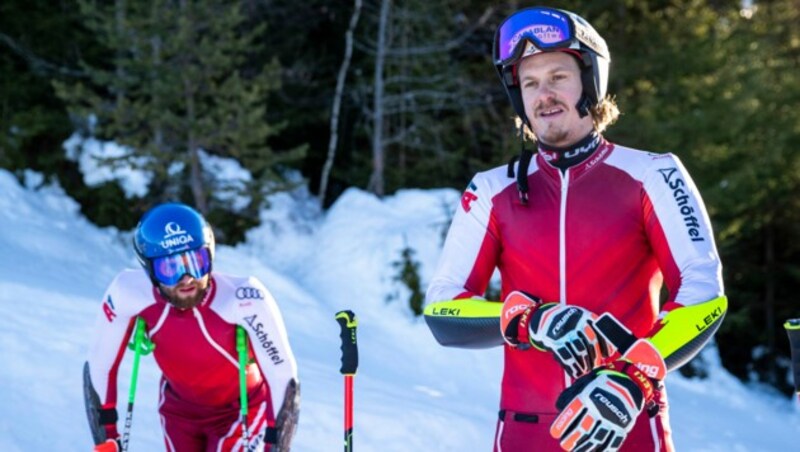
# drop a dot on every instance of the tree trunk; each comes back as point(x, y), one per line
point(337, 102)
point(119, 22)
point(195, 168)
point(769, 301)
point(376, 180)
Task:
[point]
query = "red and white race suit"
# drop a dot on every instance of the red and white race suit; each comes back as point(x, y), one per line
point(196, 351)
point(603, 234)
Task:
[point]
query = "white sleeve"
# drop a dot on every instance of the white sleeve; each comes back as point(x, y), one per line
point(697, 272)
point(469, 254)
point(264, 326)
point(112, 330)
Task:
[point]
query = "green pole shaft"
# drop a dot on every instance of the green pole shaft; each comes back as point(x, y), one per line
point(241, 347)
point(138, 341)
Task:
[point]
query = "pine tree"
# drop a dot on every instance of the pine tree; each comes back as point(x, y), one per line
point(181, 87)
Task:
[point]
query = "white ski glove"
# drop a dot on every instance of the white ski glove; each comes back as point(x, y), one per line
point(570, 334)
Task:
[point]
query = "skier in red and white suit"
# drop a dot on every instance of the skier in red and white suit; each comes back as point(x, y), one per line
point(191, 320)
point(589, 227)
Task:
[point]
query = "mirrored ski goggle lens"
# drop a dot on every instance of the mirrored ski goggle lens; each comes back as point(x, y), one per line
point(545, 28)
point(169, 270)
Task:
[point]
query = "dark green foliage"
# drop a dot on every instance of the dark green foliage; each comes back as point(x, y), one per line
point(177, 86)
point(39, 42)
point(720, 91)
point(408, 275)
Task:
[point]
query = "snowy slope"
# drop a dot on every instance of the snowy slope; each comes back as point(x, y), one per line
point(411, 394)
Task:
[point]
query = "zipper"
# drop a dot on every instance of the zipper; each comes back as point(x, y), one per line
point(562, 250)
point(562, 239)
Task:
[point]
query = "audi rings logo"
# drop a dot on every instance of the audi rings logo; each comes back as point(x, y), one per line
point(245, 293)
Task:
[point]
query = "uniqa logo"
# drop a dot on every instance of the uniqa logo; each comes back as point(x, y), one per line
point(244, 293)
point(176, 241)
point(174, 236)
point(676, 184)
point(172, 228)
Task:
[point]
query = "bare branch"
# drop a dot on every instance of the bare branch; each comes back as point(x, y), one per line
point(37, 64)
point(337, 101)
point(399, 137)
point(446, 46)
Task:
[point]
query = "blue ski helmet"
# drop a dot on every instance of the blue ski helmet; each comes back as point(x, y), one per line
point(170, 229)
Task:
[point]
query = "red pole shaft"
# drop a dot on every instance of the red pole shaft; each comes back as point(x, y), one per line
point(348, 413)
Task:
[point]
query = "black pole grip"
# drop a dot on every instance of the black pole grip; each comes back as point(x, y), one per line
point(348, 322)
point(793, 330)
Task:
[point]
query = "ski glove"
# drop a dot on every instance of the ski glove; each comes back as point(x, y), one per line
point(514, 319)
point(286, 423)
point(600, 408)
point(110, 445)
point(569, 332)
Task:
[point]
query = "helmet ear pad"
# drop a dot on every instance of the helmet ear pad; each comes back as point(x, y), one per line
point(589, 97)
point(510, 79)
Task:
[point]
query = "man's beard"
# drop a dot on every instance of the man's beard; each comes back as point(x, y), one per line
point(183, 302)
point(553, 135)
point(190, 302)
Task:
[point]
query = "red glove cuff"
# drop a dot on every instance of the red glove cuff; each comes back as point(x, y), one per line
point(111, 445)
point(111, 431)
point(518, 307)
point(641, 380)
point(523, 333)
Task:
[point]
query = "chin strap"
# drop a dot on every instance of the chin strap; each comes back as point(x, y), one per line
point(584, 105)
point(524, 157)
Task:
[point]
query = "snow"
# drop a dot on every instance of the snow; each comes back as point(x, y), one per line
point(89, 152)
point(410, 393)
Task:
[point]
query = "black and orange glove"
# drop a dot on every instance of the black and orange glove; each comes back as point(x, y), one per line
point(110, 445)
point(569, 332)
point(514, 319)
point(599, 410)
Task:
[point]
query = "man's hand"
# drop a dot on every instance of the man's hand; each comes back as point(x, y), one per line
point(110, 445)
point(570, 334)
point(286, 423)
point(514, 319)
point(600, 408)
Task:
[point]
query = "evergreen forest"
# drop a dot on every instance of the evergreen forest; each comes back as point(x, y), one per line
point(392, 94)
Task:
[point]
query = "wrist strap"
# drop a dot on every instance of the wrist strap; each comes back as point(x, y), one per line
point(107, 416)
point(523, 333)
point(641, 380)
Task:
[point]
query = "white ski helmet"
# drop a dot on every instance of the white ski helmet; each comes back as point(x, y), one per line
point(540, 29)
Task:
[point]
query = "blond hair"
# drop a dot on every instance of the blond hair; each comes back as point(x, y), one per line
point(604, 114)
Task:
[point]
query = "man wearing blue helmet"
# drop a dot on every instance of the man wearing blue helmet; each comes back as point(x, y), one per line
point(583, 233)
point(191, 318)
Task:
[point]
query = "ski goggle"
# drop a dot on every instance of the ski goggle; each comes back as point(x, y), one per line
point(168, 270)
point(545, 28)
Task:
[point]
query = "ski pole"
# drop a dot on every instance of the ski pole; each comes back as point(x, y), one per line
point(793, 330)
point(140, 346)
point(348, 322)
point(241, 347)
